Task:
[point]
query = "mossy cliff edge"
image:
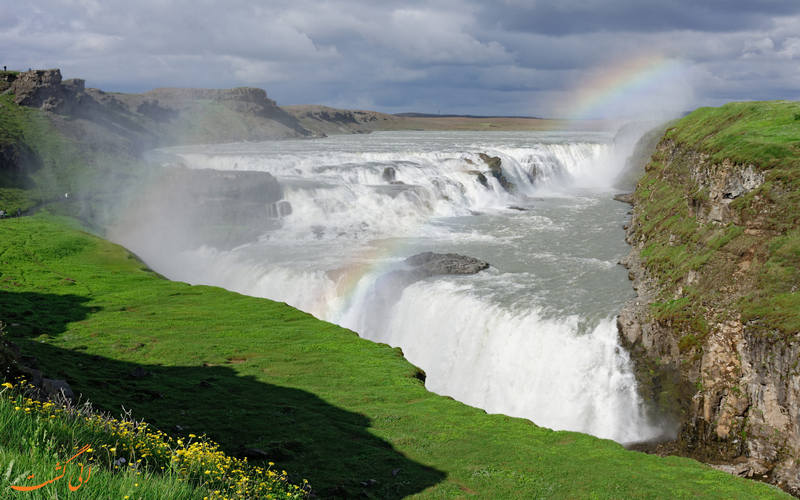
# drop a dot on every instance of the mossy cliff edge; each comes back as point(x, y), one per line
point(716, 264)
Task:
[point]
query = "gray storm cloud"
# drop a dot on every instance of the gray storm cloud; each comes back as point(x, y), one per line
point(452, 56)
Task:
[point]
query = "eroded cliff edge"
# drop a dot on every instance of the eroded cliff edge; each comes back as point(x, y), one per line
point(112, 122)
point(715, 261)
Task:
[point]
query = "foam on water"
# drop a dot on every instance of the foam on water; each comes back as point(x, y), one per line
point(524, 339)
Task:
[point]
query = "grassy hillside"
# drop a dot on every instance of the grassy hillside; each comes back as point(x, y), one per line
point(41, 165)
point(717, 265)
point(763, 134)
point(349, 415)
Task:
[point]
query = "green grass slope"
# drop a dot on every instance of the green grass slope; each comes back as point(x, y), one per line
point(349, 415)
point(763, 134)
point(44, 164)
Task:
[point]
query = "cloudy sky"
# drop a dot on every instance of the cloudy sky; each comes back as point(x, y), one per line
point(577, 58)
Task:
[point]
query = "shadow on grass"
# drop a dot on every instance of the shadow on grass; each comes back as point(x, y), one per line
point(310, 438)
point(28, 314)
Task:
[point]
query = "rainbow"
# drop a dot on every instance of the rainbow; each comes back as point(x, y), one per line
point(379, 254)
point(611, 88)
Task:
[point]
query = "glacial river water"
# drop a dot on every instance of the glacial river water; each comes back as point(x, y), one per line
point(534, 336)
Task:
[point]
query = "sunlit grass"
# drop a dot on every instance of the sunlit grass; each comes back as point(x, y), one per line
point(767, 136)
point(121, 450)
point(349, 415)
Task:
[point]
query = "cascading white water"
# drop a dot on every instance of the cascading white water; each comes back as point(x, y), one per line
point(532, 337)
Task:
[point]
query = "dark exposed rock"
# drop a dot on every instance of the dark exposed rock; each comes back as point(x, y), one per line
point(433, 264)
point(624, 197)
point(39, 89)
point(57, 389)
point(496, 169)
point(279, 209)
point(284, 208)
point(722, 183)
point(518, 208)
point(33, 375)
point(389, 174)
point(479, 177)
point(74, 85)
point(493, 162)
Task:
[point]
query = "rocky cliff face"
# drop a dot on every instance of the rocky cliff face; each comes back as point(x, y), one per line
point(40, 88)
point(89, 143)
point(131, 123)
point(323, 120)
point(730, 381)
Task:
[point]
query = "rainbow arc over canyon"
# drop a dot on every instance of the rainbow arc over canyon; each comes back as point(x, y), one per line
point(611, 87)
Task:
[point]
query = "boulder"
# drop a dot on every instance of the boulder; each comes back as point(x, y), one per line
point(431, 264)
point(493, 162)
point(57, 389)
point(420, 266)
point(495, 168)
point(480, 177)
point(389, 174)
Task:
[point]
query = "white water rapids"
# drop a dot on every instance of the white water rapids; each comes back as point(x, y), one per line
point(534, 336)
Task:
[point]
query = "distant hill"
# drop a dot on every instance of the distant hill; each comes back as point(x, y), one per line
point(324, 120)
point(131, 123)
point(439, 115)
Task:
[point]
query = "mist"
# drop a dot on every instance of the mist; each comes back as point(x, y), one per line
point(326, 224)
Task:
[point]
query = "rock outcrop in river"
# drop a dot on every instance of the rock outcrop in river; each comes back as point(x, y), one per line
point(431, 264)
